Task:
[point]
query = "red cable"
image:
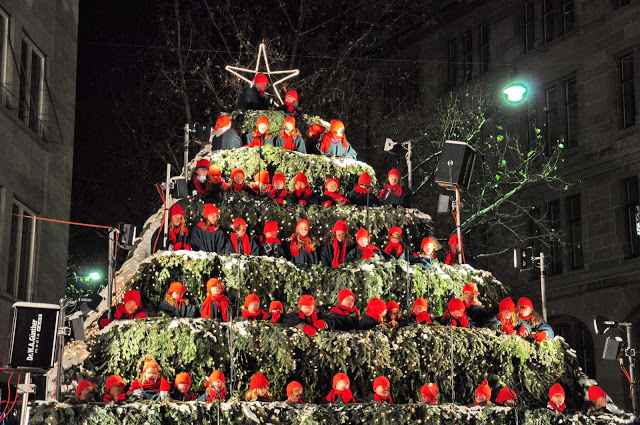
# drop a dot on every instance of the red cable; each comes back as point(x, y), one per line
point(16, 397)
point(624, 370)
point(4, 411)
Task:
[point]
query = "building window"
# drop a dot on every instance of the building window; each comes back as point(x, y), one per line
point(4, 39)
point(622, 3)
point(568, 16)
point(21, 252)
point(529, 26)
point(452, 64)
point(578, 336)
point(467, 49)
point(31, 84)
point(632, 210)
point(548, 18)
point(484, 48)
point(552, 129)
point(575, 231)
point(571, 111)
point(555, 250)
point(628, 96)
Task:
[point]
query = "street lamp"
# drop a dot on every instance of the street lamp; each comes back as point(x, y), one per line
point(515, 92)
point(94, 276)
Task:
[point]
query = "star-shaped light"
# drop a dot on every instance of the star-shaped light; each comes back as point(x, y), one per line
point(262, 52)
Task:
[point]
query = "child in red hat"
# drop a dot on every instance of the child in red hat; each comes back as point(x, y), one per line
point(207, 235)
point(252, 310)
point(394, 247)
point(420, 312)
point(215, 176)
point(85, 393)
point(597, 400)
point(278, 192)
point(556, 398)
point(151, 385)
point(507, 320)
point(535, 325)
point(427, 254)
point(223, 137)
point(455, 316)
point(258, 389)
point(474, 310)
point(129, 309)
point(376, 309)
point(294, 393)
point(331, 195)
point(200, 182)
point(394, 318)
point(289, 137)
point(363, 194)
point(334, 143)
point(314, 136)
point(341, 393)
point(393, 193)
point(302, 193)
point(275, 312)
point(337, 246)
point(482, 395)
point(216, 305)
point(177, 236)
point(255, 96)
point(182, 389)
point(345, 316)
point(429, 393)
point(303, 245)
point(262, 187)
point(240, 241)
point(364, 250)
point(507, 397)
point(238, 182)
point(215, 388)
point(452, 254)
point(381, 387)
point(175, 304)
point(305, 317)
point(260, 135)
point(271, 245)
point(290, 104)
point(115, 390)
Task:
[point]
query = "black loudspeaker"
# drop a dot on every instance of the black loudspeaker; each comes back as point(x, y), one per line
point(127, 234)
point(202, 132)
point(34, 328)
point(179, 188)
point(455, 165)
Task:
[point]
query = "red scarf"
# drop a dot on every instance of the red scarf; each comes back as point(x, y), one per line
point(391, 246)
point(295, 249)
point(211, 228)
point(213, 395)
point(160, 385)
point(554, 406)
point(423, 317)
point(525, 318)
point(304, 193)
point(173, 235)
point(179, 302)
point(368, 251)
point(391, 188)
point(461, 321)
point(238, 187)
point(270, 241)
point(452, 258)
point(291, 110)
point(507, 326)
point(258, 139)
point(346, 311)
point(346, 395)
point(362, 190)
point(336, 196)
point(381, 399)
point(246, 244)
point(338, 253)
point(121, 313)
point(108, 398)
point(221, 302)
point(200, 188)
point(288, 141)
point(260, 315)
point(275, 194)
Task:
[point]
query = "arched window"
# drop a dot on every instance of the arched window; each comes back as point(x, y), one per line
point(578, 336)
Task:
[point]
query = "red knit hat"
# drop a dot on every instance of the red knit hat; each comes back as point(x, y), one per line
point(216, 375)
point(316, 129)
point(260, 78)
point(176, 287)
point(392, 305)
point(306, 301)
point(132, 295)
point(214, 170)
point(113, 380)
point(209, 209)
point(202, 163)
point(421, 302)
point(335, 126)
point(344, 293)
point(341, 226)
point(275, 305)
point(279, 177)
point(395, 229)
point(426, 241)
point(149, 364)
point(595, 392)
point(222, 121)
point(340, 377)
point(507, 304)
point(212, 282)
point(301, 221)
point(381, 380)
point(258, 381)
point(471, 287)
point(506, 394)
point(331, 179)
point(261, 177)
point(236, 171)
point(82, 385)
point(293, 94)
point(289, 120)
point(176, 209)
point(364, 179)
point(430, 391)
point(182, 378)
point(270, 226)
point(394, 172)
point(556, 389)
point(250, 299)
point(301, 177)
point(453, 240)
point(376, 307)
point(292, 386)
point(525, 301)
point(239, 222)
point(262, 120)
point(455, 304)
point(362, 233)
point(485, 389)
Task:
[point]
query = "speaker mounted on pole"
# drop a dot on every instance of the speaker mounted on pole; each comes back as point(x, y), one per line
point(456, 165)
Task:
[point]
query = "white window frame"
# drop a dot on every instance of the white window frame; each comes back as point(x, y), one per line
point(31, 48)
point(12, 287)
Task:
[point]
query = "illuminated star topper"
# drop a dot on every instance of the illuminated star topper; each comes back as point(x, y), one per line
point(262, 52)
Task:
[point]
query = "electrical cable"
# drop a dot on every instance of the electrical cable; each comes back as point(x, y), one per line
point(4, 411)
point(15, 400)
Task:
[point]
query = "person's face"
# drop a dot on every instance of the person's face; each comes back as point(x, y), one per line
point(418, 309)
point(510, 402)
point(152, 374)
point(116, 390)
point(395, 237)
point(238, 178)
point(468, 297)
point(342, 385)
point(271, 234)
point(393, 179)
point(332, 187)
point(184, 387)
point(525, 310)
point(480, 398)
point(218, 385)
point(599, 403)
point(276, 310)
point(216, 290)
point(262, 391)
point(349, 301)
point(288, 127)
point(240, 230)
point(363, 242)
point(307, 310)
point(428, 248)
point(254, 307)
point(424, 399)
point(558, 399)
point(303, 230)
point(262, 128)
point(176, 220)
point(216, 178)
point(296, 396)
point(88, 394)
point(279, 185)
point(289, 99)
point(202, 171)
point(453, 247)
point(506, 314)
point(382, 390)
point(340, 132)
point(213, 218)
point(262, 86)
point(299, 185)
point(130, 307)
point(392, 314)
point(457, 314)
point(340, 236)
point(177, 295)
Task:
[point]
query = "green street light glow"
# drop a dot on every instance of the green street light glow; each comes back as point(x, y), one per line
point(515, 92)
point(94, 276)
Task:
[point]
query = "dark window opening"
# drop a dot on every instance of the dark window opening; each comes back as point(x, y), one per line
point(575, 231)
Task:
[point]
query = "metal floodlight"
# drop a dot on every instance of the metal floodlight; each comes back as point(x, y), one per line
point(389, 145)
point(515, 93)
point(601, 324)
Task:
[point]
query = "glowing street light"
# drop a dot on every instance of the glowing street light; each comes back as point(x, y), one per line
point(515, 92)
point(94, 276)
